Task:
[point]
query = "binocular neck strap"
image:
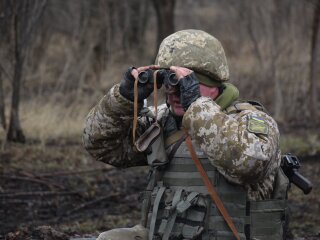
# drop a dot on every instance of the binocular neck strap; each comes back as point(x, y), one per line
point(135, 104)
point(135, 110)
point(155, 95)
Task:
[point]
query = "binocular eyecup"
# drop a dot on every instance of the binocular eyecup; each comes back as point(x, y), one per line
point(145, 76)
point(163, 76)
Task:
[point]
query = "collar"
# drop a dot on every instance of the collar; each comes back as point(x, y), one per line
point(229, 94)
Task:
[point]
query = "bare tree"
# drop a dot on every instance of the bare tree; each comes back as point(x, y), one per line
point(247, 16)
point(25, 16)
point(165, 18)
point(137, 11)
point(2, 104)
point(5, 11)
point(314, 65)
point(275, 39)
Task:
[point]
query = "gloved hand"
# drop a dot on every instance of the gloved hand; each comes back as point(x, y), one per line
point(127, 84)
point(188, 85)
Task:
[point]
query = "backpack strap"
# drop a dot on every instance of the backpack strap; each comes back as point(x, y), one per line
point(239, 107)
point(258, 106)
point(176, 146)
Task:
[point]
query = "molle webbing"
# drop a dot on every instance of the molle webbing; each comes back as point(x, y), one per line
point(181, 173)
point(268, 218)
point(184, 209)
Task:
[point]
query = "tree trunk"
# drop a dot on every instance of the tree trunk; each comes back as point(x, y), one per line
point(314, 66)
point(278, 98)
point(15, 132)
point(2, 106)
point(165, 18)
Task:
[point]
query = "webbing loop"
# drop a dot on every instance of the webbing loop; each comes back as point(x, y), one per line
point(172, 218)
point(155, 211)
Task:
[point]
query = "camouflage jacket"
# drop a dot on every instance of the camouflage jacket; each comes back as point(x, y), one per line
point(242, 145)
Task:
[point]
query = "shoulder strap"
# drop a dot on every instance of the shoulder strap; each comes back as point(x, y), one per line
point(258, 106)
point(173, 138)
point(213, 193)
point(176, 146)
point(239, 107)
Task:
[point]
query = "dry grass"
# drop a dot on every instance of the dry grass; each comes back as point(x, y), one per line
point(301, 144)
point(52, 117)
point(46, 121)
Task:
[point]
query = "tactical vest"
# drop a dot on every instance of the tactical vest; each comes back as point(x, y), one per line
point(177, 205)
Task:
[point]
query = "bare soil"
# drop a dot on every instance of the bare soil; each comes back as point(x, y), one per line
point(57, 191)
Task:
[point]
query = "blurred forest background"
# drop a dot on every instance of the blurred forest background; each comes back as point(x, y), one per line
point(58, 58)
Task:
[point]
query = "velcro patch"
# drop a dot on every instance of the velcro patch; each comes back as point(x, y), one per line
point(257, 125)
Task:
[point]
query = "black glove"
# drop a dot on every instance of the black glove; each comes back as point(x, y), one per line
point(127, 87)
point(189, 90)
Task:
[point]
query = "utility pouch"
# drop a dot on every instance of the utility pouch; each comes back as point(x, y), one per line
point(281, 185)
point(148, 137)
point(152, 139)
point(176, 214)
point(268, 219)
point(157, 155)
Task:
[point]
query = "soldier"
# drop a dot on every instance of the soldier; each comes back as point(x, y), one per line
point(236, 141)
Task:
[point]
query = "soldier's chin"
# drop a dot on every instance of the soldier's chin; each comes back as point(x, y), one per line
point(177, 110)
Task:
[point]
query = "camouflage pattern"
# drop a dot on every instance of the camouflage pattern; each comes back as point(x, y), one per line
point(196, 50)
point(243, 157)
point(107, 134)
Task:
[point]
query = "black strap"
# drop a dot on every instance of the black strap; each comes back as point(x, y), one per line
point(247, 229)
point(175, 147)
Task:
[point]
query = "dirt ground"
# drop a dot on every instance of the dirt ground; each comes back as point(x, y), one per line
point(58, 191)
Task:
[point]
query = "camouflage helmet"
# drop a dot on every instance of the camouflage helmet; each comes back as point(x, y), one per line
point(194, 49)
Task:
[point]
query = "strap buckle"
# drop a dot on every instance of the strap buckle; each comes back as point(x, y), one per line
point(183, 205)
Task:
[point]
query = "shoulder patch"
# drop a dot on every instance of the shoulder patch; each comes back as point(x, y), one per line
point(257, 125)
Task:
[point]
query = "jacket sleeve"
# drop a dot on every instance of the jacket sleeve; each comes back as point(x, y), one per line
point(108, 131)
point(242, 154)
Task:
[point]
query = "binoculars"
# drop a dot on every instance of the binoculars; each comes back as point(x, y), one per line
point(164, 76)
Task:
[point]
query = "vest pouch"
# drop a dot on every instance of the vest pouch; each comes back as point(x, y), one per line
point(281, 185)
point(148, 137)
point(177, 213)
point(268, 219)
point(157, 155)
